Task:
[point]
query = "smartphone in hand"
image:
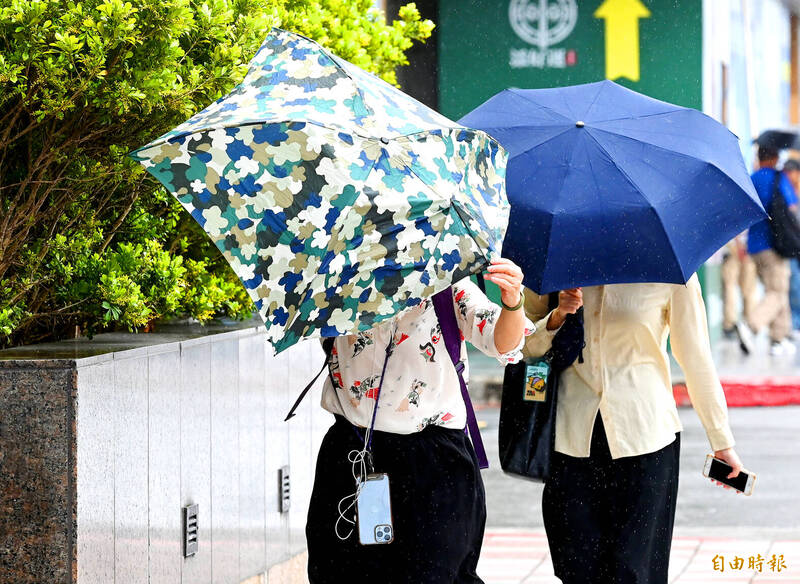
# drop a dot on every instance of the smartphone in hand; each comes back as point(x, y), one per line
point(719, 470)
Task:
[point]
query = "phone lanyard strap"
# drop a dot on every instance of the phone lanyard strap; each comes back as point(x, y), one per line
point(368, 448)
point(389, 349)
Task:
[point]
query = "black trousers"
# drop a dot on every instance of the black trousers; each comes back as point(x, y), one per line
point(610, 521)
point(438, 510)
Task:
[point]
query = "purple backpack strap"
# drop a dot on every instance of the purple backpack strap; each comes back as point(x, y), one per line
point(446, 313)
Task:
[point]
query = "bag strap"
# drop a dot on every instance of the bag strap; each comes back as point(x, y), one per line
point(446, 313)
point(776, 184)
point(327, 346)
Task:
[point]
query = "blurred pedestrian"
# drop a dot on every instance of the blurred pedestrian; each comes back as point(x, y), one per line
point(415, 414)
point(791, 168)
point(772, 269)
point(738, 281)
point(609, 504)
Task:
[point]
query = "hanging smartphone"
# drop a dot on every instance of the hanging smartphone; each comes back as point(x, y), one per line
point(374, 511)
point(719, 470)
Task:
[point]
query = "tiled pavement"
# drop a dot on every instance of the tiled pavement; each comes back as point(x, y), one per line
point(512, 556)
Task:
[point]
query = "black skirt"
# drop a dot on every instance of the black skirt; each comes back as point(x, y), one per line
point(438, 509)
point(610, 521)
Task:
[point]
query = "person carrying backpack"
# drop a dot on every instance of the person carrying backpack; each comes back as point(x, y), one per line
point(772, 268)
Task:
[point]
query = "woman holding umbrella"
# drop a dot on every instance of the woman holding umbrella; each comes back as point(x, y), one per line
point(342, 213)
point(609, 504)
point(624, 196)
point(437, 499)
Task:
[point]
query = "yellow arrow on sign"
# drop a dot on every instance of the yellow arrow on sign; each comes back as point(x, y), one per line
point(622, 36)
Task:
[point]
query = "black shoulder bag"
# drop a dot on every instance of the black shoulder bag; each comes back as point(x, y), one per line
point(783, 223)
point(528, 407)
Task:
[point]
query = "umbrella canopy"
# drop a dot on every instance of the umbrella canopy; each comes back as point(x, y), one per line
point(337, 199)
point(609, 186)
point(779, 139)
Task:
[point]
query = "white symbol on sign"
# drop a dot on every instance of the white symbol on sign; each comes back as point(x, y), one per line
point(543, 22)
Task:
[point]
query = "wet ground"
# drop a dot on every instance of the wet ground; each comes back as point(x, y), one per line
point(768, 441)
point(711, 522)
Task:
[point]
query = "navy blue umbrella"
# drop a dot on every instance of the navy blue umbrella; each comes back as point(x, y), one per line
point(609, 186)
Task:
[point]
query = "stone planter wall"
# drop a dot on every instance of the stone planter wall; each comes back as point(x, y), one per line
point(103, 442)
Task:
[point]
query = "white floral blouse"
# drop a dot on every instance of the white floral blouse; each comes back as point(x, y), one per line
point(421, 386)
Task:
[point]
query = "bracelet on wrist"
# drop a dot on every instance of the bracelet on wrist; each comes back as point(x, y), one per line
point(519, 304)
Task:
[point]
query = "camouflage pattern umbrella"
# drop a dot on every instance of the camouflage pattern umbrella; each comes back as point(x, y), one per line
point(337, 199)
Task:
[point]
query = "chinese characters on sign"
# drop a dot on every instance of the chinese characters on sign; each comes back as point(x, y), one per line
point(775, 564)
point(551, 58)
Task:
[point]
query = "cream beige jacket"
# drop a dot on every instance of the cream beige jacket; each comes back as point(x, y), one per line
point(625, 374)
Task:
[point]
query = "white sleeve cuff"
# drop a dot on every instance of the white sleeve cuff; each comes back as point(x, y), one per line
point(515, 354)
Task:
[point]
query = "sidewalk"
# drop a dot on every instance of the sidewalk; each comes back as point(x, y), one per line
point(514, 556)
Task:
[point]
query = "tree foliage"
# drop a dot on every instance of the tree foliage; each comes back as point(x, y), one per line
point(86, 238)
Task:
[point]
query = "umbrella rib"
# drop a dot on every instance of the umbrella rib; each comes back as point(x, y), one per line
point(547, 248)
point(674, 153)
point(540, 144)
point(642, 130)
point(346, 74)
point(454, 206)
point(453, 202)
point(461, 212)
point(605, 85)
point(381, 81)
point(553, 214)
point(642, 116)
point(171, 139)
point(521, 95)
point(540, 106)
point(336, 64)
point(458, 128)
point(715, 168)
point(331, 128)
point(639, 192)
point(529, 126)
point(596, 97)
point(256, 123)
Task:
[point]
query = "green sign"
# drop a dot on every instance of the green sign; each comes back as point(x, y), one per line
point(651, 46)
point(485, 46)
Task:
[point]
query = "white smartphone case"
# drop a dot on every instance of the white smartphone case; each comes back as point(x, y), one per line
point(374, 511)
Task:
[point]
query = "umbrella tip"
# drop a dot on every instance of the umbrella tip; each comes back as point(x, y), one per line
point(579, 124)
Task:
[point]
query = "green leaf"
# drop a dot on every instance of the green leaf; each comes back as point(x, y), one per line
point(107, 247)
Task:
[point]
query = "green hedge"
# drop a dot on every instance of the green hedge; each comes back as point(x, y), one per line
point(87, 239)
